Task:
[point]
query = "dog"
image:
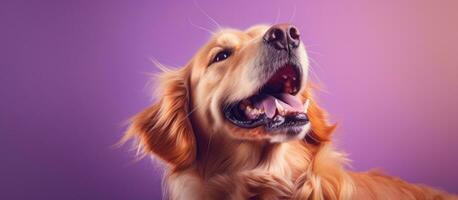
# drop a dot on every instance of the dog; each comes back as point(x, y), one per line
point(239, 121)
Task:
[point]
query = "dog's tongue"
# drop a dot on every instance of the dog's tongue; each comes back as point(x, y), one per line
point(280, 103)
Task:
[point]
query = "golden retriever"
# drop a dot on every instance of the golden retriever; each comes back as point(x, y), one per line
point(239, 122)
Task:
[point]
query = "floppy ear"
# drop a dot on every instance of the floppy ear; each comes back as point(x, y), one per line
point(164, 128)
point(321, 128)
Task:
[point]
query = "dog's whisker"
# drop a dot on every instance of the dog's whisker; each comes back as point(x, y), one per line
point(206, 14)
point(160, 66)
point(208, 145)
point(317, 64)
point(192, 110)
point(311, 70)
point(314, 74)
point(314, 52)
point(201, 28)
point(318, 80)
point(277, 18)
point(308, 48)
point(290, 20)
point(309, 45)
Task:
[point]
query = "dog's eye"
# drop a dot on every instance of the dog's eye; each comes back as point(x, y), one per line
point(222, 55)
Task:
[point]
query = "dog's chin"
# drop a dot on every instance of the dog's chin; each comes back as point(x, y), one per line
point(275, 111)
point(288, 134)
point(272, 136)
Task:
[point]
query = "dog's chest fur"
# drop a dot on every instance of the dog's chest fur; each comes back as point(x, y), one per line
point(233, 174)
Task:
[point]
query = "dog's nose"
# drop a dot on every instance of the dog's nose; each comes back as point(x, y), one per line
point(282, 37)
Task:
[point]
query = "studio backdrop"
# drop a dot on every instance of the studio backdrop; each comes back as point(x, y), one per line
point(73, 72)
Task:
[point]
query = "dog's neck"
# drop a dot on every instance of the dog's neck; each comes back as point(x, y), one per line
point(219, 154)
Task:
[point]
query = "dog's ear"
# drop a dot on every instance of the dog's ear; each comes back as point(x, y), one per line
point(164, 128)
point(321, 128)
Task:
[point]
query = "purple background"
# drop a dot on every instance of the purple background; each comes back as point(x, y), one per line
point(72, 72)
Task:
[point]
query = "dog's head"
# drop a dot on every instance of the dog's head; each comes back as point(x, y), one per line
point(242, 85)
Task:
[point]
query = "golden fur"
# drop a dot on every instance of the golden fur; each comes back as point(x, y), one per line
point(209, 158)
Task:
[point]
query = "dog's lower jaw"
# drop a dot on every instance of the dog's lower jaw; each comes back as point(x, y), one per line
point(291, 134)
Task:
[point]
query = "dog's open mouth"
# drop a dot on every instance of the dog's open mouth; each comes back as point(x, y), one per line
point(275, 107)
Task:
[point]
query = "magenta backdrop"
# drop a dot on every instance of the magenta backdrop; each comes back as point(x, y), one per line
point(73, 71)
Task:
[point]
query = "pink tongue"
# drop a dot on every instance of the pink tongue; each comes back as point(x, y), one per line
point(292, 101)
point(268, 104)
point(289, 102)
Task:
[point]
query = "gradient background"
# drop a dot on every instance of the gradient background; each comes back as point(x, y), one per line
point(72, 72)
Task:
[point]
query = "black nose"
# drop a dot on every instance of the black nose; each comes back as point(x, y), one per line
point(282, 37)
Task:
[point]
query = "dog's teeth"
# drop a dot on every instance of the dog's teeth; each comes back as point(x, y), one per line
point(294, 78)
point(252, 113)
point(246, 105)
point(284, 77)
point(280, 108)
point(257, 111)
point(306, 105)
point(278, 105)
point(294, 89)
